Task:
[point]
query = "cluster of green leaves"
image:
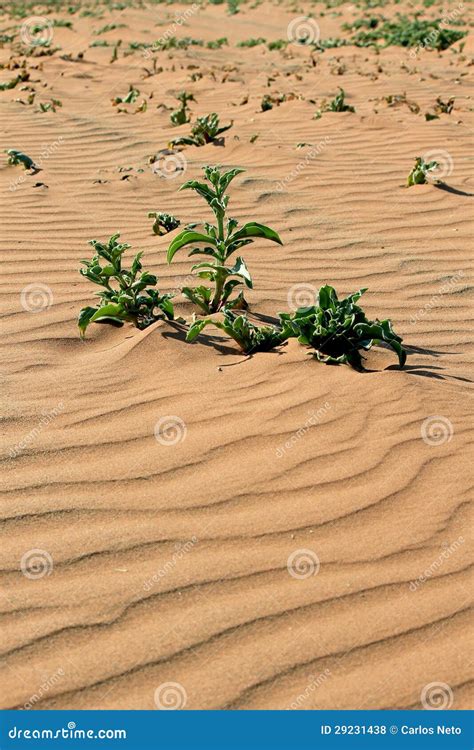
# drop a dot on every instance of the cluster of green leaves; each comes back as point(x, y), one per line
point(205, 130)
point(251, 42)
point(420, 171)
point(249, 337)
point(13, 82)
point(130, 97)
point(339, 329)
point(181, 115)
point(174, 43)
point(16, 157)
point(403, 32)
point(163, 223)
point(109, 27)
point(127, 295)
point(220, 241)
point(337, 104)
point(50, 106)
point(217, 43)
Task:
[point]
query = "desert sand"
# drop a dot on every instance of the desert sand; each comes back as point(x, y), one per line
point(299, 536)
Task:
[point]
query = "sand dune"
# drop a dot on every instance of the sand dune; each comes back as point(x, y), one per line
point(168, 560)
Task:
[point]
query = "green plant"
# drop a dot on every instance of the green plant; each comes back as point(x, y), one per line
point(109, 27)
point(249, 337)
point(336, 105)
point(18, 157)
point(163, 223)
point(338, 329)
point(129, 98)
point(220, 242)
point(127, 295)
point(20, 78)
point(252, 42)
point(205, 130)
point(420, 171)
point(50, 106)
point(217, 43)
point(404, 32)
point(181, 115)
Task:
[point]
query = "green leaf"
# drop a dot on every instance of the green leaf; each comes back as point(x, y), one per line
point(85, 318)
point(240, 269)
point(254, 229)
point(113, 311)
point(196, 329)
point(187, 237)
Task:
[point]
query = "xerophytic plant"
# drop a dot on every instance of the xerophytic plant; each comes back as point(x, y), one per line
point(205, 130)
point(16, 157)
point(127, 295)
point(163, 223)
point(339, 329)
point(217, 244)
point(181, 115)
point(249, 337)
point(420, 171)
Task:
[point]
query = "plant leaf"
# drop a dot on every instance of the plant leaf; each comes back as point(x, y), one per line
point(187, 237)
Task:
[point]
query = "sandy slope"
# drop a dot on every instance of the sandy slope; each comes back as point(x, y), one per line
point(216, 516)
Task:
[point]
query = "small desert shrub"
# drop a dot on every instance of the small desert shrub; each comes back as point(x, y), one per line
point(220, 241)
point(127, 295)
point(339, 329)
point(249, 337)
point(420, 171)
point(205, 130)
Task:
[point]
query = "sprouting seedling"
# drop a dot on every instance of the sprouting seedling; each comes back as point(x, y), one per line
point(50, 106)
point(181, 115)
point(205, 130)
point(20, 78)
point(420, 171)
point(336, 105)
point(128, 295)
point(338, 329)
point(249, 337)
point(18, 157)
point(131, 96)
point(163, 223)
point(220, 242)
